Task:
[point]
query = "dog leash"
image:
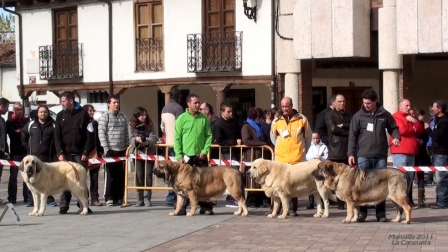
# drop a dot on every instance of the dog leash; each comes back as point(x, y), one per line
point(74, 169)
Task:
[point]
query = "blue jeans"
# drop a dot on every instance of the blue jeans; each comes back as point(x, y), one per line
point(441, 180)
point(406, 160)
point(171, 198)
point(365, 163)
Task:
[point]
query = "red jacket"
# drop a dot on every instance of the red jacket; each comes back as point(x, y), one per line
point(409, 133)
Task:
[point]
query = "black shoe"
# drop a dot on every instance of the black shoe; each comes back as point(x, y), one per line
point(292, 213)
point(63, 210)
point(202, 211)
point(382, 219)
point(310, 207)
point(361, 218)
point(437, 206)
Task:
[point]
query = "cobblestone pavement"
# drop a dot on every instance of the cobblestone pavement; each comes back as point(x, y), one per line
point(151, 229)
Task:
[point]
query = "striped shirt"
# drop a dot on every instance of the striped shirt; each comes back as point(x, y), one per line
point(113, 131)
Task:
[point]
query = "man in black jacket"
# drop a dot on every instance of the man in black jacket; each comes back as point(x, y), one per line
point(439, 136)
point(338, 125)
point(73, 136)
point(320, 125)
point(38, 139)
point(226, 132)
point(368, 141)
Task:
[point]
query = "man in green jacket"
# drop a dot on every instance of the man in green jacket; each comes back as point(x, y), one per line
point(192, 140)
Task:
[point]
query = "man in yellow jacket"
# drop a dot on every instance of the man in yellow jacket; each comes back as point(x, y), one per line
point(293, 136)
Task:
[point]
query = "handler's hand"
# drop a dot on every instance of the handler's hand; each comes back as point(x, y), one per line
point(83, 158)
point(202, 156)
point(396, 142)
point(426, 125)
point(61, 158)
point(351, 161)
point(181, 161)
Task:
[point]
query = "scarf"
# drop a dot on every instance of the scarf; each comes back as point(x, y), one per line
point(257, 127)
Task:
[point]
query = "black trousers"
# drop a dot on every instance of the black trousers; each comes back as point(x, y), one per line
point(144, 175)
point(66, 196)
point(12, 183)
point(114, 178)
point(94, 173)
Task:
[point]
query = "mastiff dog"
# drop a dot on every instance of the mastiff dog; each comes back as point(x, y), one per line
point(365, 187)
point(284, 181)
point(202, 184)
point(45, 179)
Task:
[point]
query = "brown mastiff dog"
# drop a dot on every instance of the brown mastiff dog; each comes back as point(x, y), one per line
point(202, 184)
point(365, 187)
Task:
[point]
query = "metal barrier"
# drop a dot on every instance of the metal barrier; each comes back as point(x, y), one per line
point(215, 157)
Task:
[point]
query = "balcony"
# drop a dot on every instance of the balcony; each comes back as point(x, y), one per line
point(214, 52)
point(60, 62)
point(149, 54)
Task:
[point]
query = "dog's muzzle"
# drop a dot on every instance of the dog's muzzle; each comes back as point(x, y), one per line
point(158, 173)
point(29, 171)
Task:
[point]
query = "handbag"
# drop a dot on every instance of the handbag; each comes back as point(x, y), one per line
point(93, 154)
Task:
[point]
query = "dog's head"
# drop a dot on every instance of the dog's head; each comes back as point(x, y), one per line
point(30, 167)
point(259, 170)
point(326, 172)
point(166, 170)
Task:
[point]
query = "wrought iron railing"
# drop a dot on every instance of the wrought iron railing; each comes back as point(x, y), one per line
point(60, 61)
point(214, 53)
point(7, 37)
point(149, 54)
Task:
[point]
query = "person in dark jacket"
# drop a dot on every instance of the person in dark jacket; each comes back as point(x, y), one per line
point(439, 136)
point(368, 141)
point(38, 138)
point(226, 132)
point(14, 127)
point(94, 173)
point(338, 125)
point(422, 159)
point(252, 136)
point(73, 138)
point(4, 106)
point(320, 125)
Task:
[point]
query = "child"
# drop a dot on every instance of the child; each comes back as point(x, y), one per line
point(317, 150)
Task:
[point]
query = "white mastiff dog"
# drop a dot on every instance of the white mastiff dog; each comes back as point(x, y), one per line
point(45, 179)
point(283, 182)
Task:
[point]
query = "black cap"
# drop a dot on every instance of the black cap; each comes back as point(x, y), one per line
point(174, 92)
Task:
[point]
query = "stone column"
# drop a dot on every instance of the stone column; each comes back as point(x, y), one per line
point(292, 88)
point(389, 60)
point(166, 90)
point(220, 89)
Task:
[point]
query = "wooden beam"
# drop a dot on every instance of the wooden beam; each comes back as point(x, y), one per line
point(376, 4)
point(121, 86)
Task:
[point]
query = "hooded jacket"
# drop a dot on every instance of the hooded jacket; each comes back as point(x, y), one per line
point(73, 132)
point(39, 139)
point(409, 133)
point(293, 138)
point(367, 134)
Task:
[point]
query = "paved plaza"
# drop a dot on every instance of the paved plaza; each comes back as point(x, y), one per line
point(152, 229)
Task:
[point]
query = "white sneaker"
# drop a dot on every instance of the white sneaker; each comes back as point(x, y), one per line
point(109, 203)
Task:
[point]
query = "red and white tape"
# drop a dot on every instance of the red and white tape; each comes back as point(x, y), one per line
point(218, 162)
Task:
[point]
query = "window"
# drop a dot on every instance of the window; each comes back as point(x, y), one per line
point(149, 35)
point(97, 97)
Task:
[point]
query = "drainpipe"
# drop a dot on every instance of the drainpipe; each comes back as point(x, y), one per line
point(274, 89)
point(19, 18)
point(111, 82)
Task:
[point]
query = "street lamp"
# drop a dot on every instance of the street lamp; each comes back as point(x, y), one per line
point(250, 12)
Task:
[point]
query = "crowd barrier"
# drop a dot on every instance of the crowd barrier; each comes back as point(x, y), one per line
point(162, 153)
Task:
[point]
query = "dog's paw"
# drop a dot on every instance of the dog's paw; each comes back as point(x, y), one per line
point(325, 215)
point(190, 214)
point(31, 213)
point(345, 221)
point(244, 214)
point(173, 213)
point(271, 215)
point(405, 222)
point(38, 214)
point(84, 213)
point(237, 212)
point(281, 217)
point(317, 215)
